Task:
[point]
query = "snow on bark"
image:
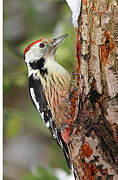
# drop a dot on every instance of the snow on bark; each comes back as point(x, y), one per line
point(75, 6)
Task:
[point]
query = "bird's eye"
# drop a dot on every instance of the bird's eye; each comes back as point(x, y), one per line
point(42, 45)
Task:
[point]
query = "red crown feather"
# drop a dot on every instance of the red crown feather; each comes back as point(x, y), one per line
point(30, 45)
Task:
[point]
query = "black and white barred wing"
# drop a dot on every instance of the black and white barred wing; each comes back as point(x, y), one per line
point(39, 100)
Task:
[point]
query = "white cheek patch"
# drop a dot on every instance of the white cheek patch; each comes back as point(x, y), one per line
point(32, 54)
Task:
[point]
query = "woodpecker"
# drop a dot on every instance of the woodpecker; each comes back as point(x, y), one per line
point(49, 89)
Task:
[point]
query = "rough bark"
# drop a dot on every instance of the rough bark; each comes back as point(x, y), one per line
point(94, 144)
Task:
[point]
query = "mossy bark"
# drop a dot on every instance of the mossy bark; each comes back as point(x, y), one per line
point(94, 144)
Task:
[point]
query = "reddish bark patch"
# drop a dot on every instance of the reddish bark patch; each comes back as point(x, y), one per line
point(66, 133)
point(115, 132)
point(86, 150)
point(77, 50)
point(107, 47)
point(84, 2)
point(94, 9)
point(105, 171)
point(92, 42)
point(73, 103)
point(89, 171)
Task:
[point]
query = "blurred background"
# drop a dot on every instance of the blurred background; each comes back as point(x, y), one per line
point(30, 153)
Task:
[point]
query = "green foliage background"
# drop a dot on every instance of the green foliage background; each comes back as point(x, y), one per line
point(24, 22)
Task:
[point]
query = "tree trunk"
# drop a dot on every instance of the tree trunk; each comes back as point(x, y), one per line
point(94, 144)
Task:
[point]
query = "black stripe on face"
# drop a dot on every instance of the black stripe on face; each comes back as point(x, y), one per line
point(39, 64)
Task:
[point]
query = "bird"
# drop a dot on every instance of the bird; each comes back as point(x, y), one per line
point(50, 89)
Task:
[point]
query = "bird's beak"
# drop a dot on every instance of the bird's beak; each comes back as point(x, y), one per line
point(57, 41)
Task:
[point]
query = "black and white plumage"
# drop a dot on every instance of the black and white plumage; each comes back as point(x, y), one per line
point(48, 87)
point(39, 101)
